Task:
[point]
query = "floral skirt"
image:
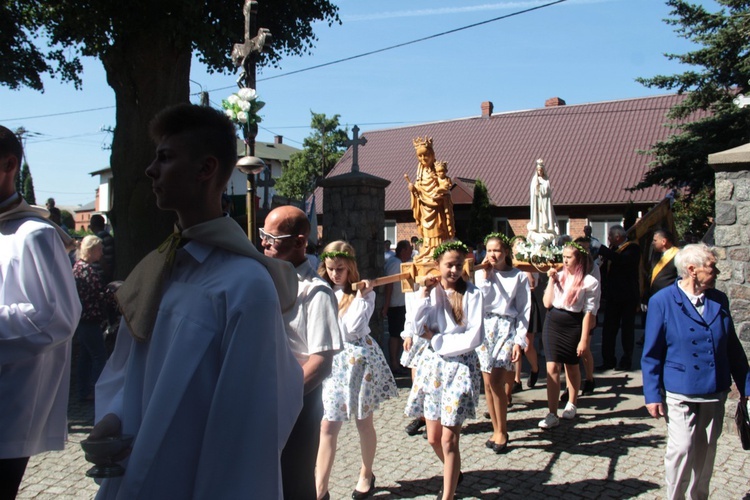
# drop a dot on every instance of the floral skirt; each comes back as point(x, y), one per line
point(410, 358)
point(359, 381)
point(445, 388)
point(496, 350)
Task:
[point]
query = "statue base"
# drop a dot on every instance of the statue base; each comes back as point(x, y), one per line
point(541, 238)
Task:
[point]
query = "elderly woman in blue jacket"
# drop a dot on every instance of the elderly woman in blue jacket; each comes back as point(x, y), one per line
point(690, 356)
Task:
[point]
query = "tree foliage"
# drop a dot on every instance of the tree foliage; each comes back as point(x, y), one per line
point(28, 185)
point(481, 215)
point(320, 152)
point(98, 28)
point(146, 48)
point(719, 69)
point(693, 215)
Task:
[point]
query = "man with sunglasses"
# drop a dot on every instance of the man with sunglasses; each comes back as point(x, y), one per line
point(314, 337)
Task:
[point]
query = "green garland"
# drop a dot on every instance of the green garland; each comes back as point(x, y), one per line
point(576, 246)
point(336, 255)
point(449, 245)
point(499, 236)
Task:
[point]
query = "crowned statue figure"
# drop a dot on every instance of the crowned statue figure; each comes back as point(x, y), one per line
point(431, 200)
point(542, 227)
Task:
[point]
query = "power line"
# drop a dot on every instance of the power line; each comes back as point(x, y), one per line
point(330, 63)
point(64, 113)
point(403, 44)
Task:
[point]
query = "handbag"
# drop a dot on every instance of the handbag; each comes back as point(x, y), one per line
point(743, 424)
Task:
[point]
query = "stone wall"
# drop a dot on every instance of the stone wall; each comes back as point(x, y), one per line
point(732, 233)
point(354, 211)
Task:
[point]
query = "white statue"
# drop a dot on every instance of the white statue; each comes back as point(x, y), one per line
point(543, 218)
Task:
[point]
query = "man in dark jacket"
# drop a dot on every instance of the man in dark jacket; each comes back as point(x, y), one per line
point(621, 293)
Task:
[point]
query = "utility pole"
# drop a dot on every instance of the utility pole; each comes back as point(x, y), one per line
point(245, 55)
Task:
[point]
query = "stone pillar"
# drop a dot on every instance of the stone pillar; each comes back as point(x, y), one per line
point(732, 233)
point(354, 211)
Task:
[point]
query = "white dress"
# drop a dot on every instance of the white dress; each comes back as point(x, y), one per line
point(507, 305)
point(360, 378)
point(446, 387)
point(39, 311)
point(410, 358)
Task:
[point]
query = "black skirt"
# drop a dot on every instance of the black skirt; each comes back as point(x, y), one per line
point(561, 335)
point(535, 316)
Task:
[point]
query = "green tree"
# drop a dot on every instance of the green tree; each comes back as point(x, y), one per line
point(719, 70)
point(68, 219)
point(481, 215)
point(320, 152)
point(28, 185)
point(693, 215)
point(146, 48)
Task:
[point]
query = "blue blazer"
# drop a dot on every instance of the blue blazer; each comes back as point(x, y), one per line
point(690, 354)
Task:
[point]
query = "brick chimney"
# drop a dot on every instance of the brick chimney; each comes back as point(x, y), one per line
point(279, 139)
point(487, 108)
point(553, 101)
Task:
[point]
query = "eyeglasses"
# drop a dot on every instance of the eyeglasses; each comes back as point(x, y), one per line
point(273, 239)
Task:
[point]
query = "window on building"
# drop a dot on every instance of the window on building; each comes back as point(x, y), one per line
point(563, 224)
point(390, 232)
point(600, 226)
point(502, 226)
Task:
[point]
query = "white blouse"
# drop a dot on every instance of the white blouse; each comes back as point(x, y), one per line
point(588, 298)
point(507, 293)
point(355, 323)
point(435, 313)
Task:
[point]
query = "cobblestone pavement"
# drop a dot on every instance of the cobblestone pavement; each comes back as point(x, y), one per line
point(611, 450)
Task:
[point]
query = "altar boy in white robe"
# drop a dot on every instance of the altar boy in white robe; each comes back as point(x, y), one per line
point(39, 311)
point(201, 374)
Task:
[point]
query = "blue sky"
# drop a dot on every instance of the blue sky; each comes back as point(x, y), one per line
point(580, 50)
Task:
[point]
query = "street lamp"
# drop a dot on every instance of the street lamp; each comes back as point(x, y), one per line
point(251, 166)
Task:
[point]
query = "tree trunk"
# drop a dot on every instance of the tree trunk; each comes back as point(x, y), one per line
point(148, 73)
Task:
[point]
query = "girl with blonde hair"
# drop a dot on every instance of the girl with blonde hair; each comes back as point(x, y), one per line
point(360, 377)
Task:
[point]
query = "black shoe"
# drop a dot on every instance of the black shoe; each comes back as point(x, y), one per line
point(327, 496)
point(564, 396)
point(413, 427)
point(588, 387)
point(501, 448)
point(533, 377)
point(359, 495)
point(517, 387)
point(603, 368)
point(489, 443)
point(625, 366)
point(640, 341)
point(487, 415)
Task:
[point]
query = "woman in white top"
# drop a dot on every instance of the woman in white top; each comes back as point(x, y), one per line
point(507, 304)
point(446, 389)
point(360, 378)
point(573, 298)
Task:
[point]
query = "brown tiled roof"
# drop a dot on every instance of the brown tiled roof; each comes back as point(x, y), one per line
point(590, 151)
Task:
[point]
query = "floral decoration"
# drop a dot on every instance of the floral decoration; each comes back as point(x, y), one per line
point(242, 107)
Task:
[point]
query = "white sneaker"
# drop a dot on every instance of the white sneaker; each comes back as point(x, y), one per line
point(570, 412)
point(549, 421)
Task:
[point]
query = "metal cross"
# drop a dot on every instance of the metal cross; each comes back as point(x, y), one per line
point(246, 54)
point(355, 142)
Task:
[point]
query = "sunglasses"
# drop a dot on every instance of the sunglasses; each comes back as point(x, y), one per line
point(270, 237)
